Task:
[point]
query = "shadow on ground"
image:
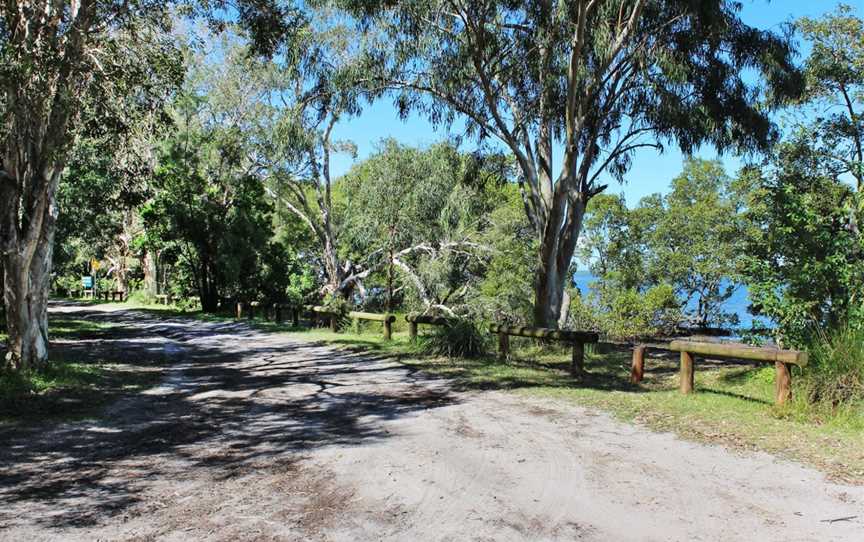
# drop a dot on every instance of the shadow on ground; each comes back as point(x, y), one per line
point(231, 399)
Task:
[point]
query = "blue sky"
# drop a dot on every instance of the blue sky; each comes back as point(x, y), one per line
point(650, 172)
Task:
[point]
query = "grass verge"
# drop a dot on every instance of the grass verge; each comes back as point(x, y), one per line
point(73, 388)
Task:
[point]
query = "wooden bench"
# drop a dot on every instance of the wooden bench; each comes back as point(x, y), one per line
point(782, 359)
point(576, 338)
point(163, 299)
point(117, 293)
point(415, 319)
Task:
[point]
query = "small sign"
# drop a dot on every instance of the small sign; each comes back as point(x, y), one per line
point(87, 282)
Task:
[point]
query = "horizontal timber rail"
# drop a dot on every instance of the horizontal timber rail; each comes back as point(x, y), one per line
point(387, 319)
point(319, 313)
point(782, 359)
point(415, 319)
point(576, 338)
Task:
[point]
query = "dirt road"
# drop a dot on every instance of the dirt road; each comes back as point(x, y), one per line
point(253, 436)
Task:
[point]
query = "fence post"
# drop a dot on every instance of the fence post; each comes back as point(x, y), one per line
point(277, 313)
point(239, 310)
point(637, 371)
point(686, 372)
point(295, 317)
point(782, 383)
point(577, 365)
point(388, 328)
point(412, 331)
point(334, 326)
point(503, 346)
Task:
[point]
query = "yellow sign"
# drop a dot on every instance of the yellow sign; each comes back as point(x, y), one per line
point(94, 264)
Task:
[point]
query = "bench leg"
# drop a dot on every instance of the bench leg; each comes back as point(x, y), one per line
point(637, 371)
point(686, 372)
point(782, 383)
point(503, 346)
point(577, 364)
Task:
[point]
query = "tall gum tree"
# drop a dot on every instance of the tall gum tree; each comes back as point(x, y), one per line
point(597, 79)
point(65, 67)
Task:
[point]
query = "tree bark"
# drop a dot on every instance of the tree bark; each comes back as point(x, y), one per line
point(548, 293)
point(151, 284)
point(551, 304)
point(26, 288)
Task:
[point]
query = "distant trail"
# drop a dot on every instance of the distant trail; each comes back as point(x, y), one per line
point(253, 436)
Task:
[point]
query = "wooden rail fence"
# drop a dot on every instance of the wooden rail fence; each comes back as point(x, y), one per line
point(415, 319)
point(782, 360)
point(577, 339)
point(386, 319)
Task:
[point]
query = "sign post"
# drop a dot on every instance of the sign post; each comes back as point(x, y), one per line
point(87, 284)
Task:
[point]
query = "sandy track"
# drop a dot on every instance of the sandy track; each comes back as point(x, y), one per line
point(252, 436)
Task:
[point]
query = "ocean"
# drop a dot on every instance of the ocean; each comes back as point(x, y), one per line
point(737, 304)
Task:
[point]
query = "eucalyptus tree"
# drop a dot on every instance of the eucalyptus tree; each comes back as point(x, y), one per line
point(834, 72)
point(66, 68)
point(690, 239)
point(209, 206)
point(319, 77)
point(597, 79)
point(418, 217)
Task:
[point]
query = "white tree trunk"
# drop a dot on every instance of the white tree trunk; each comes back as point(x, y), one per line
point(151, 283)
point(25, 291)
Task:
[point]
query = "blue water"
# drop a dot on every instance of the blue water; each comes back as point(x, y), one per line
point(737, 304)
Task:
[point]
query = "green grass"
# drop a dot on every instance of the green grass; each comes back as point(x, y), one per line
point(70, 388)
point(67, 328)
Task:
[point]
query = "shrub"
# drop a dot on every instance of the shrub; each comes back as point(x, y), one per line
point(631, 314)
point(462, 339)
point(835, 374)
point(583, 315)
point(141, 297)
point(67, 283)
